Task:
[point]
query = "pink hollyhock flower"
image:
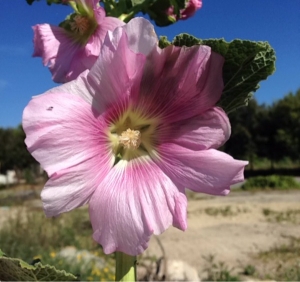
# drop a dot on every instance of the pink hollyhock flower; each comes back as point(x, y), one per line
point(128, 136)
point(191, 7)
point(71, 49)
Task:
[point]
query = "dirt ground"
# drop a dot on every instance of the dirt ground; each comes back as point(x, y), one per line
point(232, 228)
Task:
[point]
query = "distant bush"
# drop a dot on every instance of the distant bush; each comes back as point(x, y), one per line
point(274, 182)
point(29, 177)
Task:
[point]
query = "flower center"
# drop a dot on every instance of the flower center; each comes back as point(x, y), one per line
point(130, 139)
point(80, 24)
point(132, 134)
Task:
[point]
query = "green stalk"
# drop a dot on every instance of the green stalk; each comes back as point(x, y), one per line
point(73, 5)
point(125, 267)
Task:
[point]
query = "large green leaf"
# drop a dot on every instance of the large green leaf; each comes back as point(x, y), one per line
point(13, 269)
point(246, 64)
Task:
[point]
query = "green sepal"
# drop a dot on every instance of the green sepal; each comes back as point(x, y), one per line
point(157, 11)
point(163, 42)
point(246, 64)
point(13, 269)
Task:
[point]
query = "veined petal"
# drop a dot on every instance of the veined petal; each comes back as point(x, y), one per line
point(56, 49)
point(208, 171)
point(73, 187)
point(68, 55)
point(93, 47)
point(62, 132)
point(181, 82)
point(205, 131)
point(78, 87)
point(135, 200)
point(82, 62)
point(117, 72)
point(141, 36)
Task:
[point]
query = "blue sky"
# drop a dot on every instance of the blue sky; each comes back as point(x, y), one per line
point(275, 21)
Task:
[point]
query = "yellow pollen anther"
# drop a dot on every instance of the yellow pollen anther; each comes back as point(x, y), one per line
point(80, 24)
point(130, 139)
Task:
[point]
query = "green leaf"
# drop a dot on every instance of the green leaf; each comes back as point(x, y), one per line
point(163, 42)
point(13, 269)
point(177, 5)
point(246, 64)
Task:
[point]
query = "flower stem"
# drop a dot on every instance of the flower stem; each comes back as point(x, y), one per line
point(125, 267)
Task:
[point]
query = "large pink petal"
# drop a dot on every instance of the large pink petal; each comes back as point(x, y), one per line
point(106, 24)
point(79, 64)
point(208, 171)
point(73, 187)
point(141, 36)
point(208, 130)
point(56, 49)
point(117, 72)
point(135, 200)
point(62, 132)
point(179, 83)
point(78, 87)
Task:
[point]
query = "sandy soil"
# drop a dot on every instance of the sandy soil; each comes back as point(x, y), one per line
point(231, 236)
point(232, 228)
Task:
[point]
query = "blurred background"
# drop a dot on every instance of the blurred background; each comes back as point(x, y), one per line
point(253, 233)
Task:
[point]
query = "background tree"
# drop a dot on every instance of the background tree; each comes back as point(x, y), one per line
point(13, 152)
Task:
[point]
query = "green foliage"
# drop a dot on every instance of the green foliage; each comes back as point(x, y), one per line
point(273, 182)
point(291, 216)
point(13, 151)
point(246, 64)
point(218, 271)
point(46, 237)
point(44, 233)
point(163, 42)
point(157, 11)
point(282, 260)
point(226, 211)
point(267, 132)
point(29, 177)
point(286, 115)
point(249, 270)
point(13, 269)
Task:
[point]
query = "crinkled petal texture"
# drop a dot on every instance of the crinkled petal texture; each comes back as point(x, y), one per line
point(179, 83)
point(63, 134)
point(206, 171)
point(135, 200)
point(65, 56)
point(67, 132)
